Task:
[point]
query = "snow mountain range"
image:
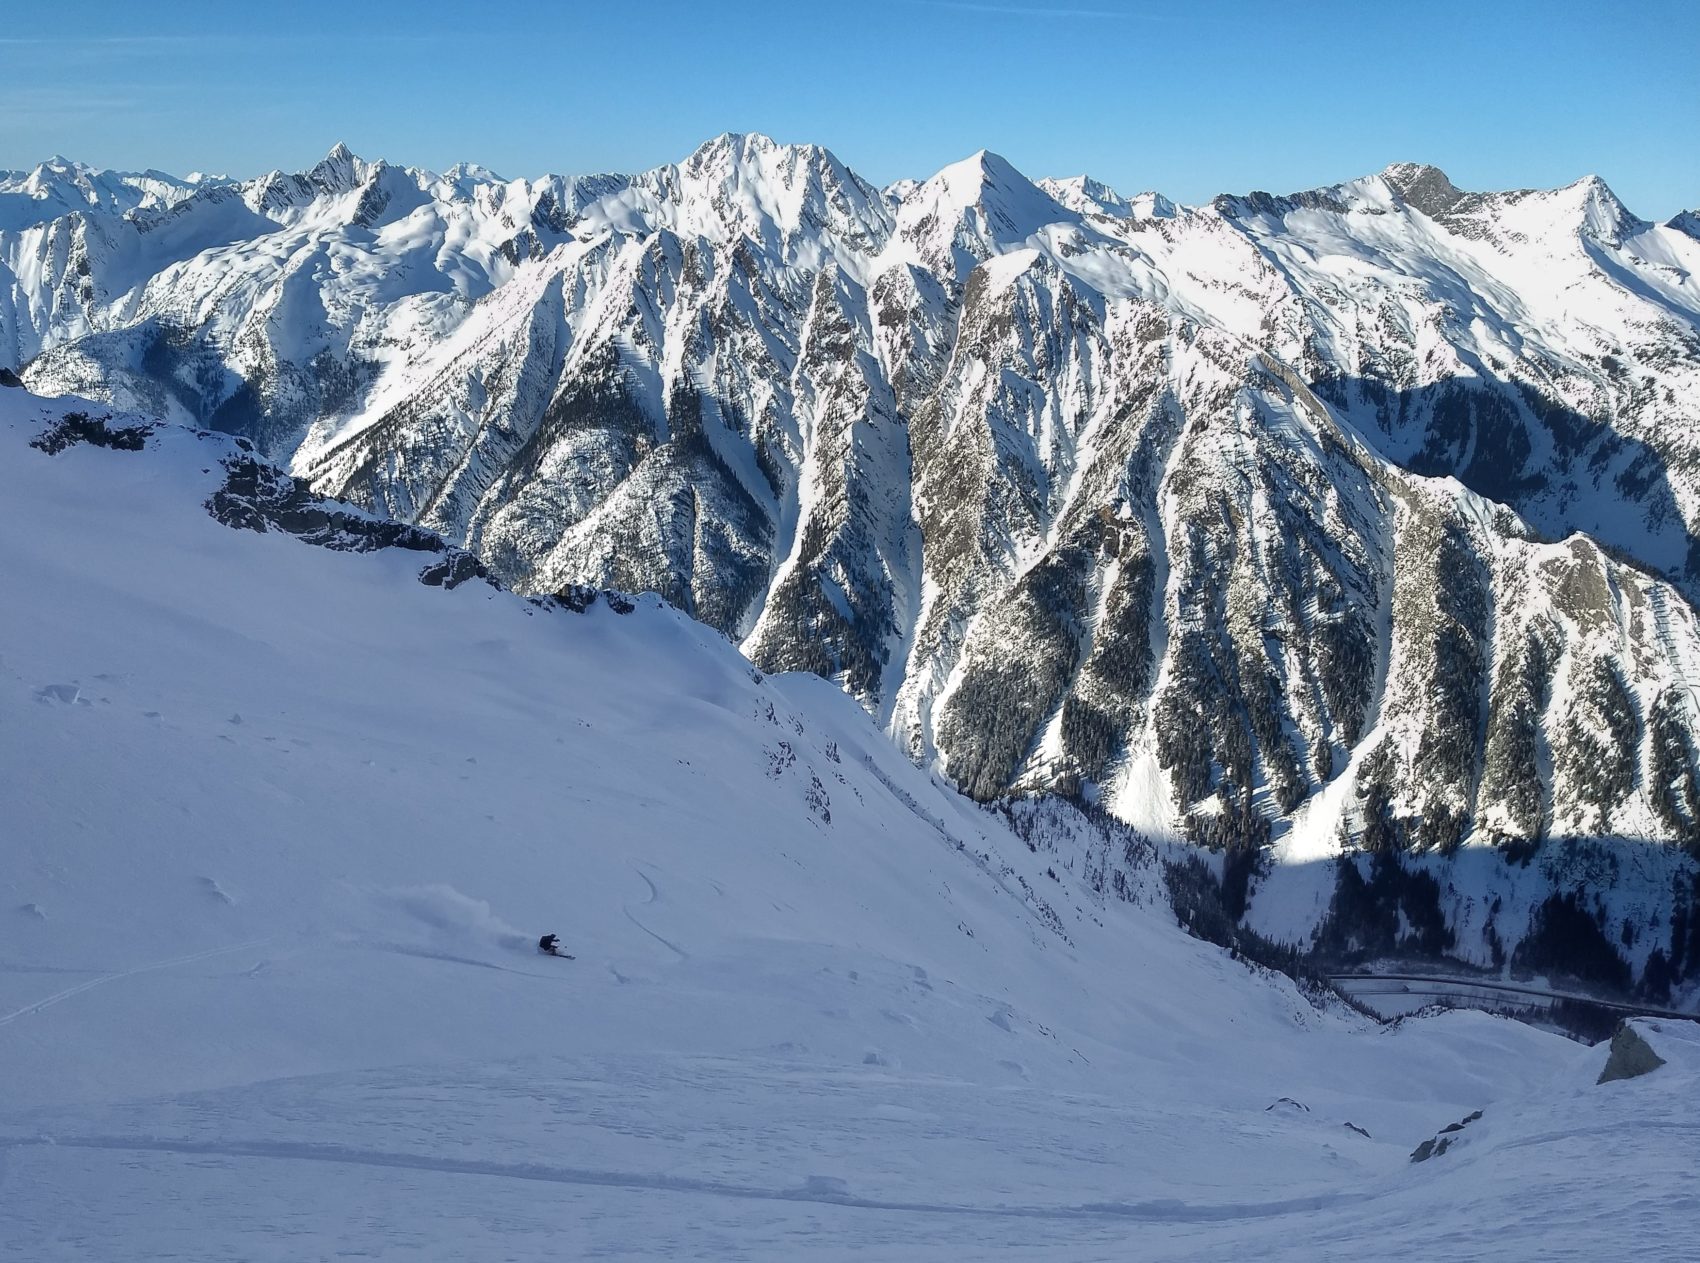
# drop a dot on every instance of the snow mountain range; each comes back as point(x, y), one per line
point(292, 790)
point(1357, 521)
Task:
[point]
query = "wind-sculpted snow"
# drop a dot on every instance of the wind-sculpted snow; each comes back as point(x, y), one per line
point(1355, 519)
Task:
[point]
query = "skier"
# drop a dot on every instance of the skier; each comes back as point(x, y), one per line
point(550, 945)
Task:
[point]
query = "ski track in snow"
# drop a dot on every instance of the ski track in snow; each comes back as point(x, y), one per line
point(450, 958)
point(1164, 1210)
point(59, 997)
point(631, 916)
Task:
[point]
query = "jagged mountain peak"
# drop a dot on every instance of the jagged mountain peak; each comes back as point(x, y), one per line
point(1153, 205)
point(897, 190)
point(1276, 206)
point(972, 209)
point(745, 185)
point(57, 176)
point(339, 170)
point(1423, 187)
point(754, 157)
point(1586, 207)
point(62, 186)
point(472, 172)
point(1093, 197)
point(729, 146)
point(1604, 216)
point(1428, 189)
point(988, 179)
point(1088, 196)
point(1418, 186)
point(1556, 218)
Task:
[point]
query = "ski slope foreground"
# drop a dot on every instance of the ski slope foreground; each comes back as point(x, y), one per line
point(283, 823)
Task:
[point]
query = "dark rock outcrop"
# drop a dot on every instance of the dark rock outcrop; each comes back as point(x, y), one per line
point(1631, 1056)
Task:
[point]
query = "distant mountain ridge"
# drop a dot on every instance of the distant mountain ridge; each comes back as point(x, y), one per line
point(1361, 517)
point(60, 186)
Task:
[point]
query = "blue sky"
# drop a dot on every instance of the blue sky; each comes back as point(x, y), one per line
point(1189, 98)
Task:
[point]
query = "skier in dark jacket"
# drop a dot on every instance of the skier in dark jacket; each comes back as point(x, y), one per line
point(550, 945)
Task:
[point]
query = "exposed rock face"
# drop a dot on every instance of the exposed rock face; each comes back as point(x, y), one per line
point(79, 427)
point(257, 496)
point(1443, 1139)
point(1358, 518)
point(1631, 1055)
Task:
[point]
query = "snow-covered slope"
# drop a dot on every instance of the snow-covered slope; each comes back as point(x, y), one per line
point(290, 792)
point(1358, 519)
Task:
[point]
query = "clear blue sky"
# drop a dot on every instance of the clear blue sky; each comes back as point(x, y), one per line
point(1190, 98)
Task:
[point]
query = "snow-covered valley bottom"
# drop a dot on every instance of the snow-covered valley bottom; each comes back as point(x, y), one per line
point(281, 826)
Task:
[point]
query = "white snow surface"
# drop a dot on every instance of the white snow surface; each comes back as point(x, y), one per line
point(282, 826)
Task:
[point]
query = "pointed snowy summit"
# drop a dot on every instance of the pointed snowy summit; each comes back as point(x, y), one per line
point(988, 184)
point(338, 171)
point(1088, 196)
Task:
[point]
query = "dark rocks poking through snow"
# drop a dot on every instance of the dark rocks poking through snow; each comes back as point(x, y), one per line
point(1442, 1140)
point(79, 427)
point(1631, 1056)
point(260, 497)
point(579, 597)
point(455, 569)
